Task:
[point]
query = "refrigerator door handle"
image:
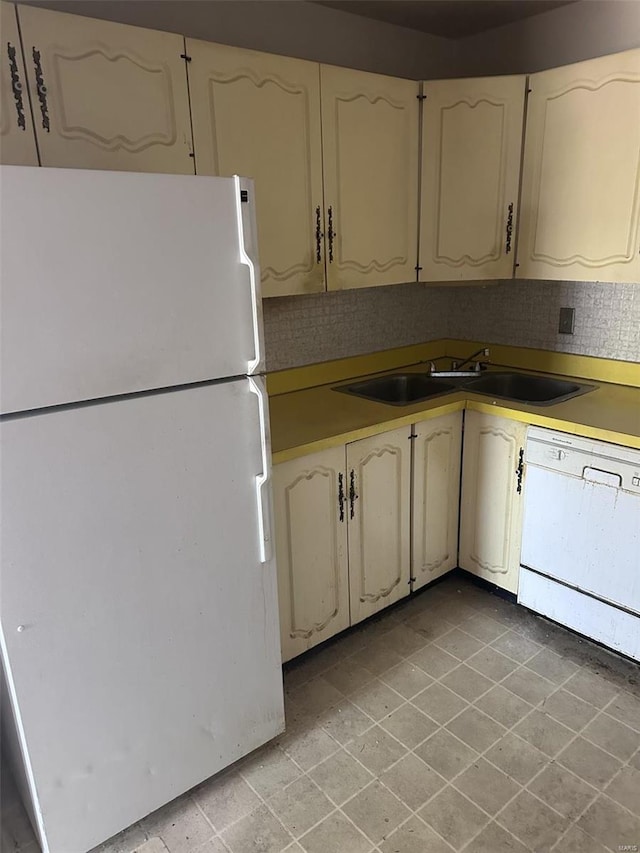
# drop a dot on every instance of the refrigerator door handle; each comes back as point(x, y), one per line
point(247, 231)
point(263, 491)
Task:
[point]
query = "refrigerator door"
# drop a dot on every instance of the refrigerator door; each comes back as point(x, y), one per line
point(116, 282)
point(140, 631)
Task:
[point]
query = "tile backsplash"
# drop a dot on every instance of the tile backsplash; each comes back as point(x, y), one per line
point(307, 329)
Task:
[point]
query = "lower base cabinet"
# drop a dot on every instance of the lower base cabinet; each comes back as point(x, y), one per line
point(342, 536)
point(437, 449)
point(491, 499)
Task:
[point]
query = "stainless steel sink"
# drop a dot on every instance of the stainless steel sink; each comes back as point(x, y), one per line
point(398, 389)
point(524, 388)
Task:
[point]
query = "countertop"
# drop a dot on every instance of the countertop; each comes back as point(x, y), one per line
point(313, 419)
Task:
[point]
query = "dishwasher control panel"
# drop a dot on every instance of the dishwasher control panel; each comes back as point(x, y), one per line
point(594, 461)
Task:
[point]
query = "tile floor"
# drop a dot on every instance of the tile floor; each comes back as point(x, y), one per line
point(454, 722)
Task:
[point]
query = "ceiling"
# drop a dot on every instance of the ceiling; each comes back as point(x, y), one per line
point(448, 18)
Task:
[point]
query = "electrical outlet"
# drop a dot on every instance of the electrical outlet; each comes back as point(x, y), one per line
point(567, 321)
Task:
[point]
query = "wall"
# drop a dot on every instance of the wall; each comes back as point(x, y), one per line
point(288, 27)
point(571, 33)
point(525, 313)
point(306, 329)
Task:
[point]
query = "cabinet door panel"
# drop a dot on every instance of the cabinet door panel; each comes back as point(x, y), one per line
point(471, 145)
point(258, 115)
point(491, 507)
point(17, 139)
point(370, 146)
point(106, 95)
point(436, 497)
point(311, 550)
point(379, 529)
point(581, 178)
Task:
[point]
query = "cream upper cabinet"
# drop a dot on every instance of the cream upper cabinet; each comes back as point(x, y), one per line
point(106, 95)
point(378, 493)
point(471, 150)
point(258, 115)
point(17, 140)
point(436, 495)
point(580, 208)
point(370, 151)
point(311, 549)
point(491, 502)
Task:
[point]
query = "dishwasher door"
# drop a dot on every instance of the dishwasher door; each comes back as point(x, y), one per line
point(582, 516)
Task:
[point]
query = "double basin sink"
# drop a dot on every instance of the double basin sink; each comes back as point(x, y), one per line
point(403, 389)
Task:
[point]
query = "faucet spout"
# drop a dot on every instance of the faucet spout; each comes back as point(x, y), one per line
point(484, 351)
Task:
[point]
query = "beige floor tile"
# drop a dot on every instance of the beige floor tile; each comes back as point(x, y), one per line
point(376, 749)
point(434, 661)
point(258, 832)
point(225, 799)
point(562, 790)
point(516, 646)
point(552, 666)
point(459, 644)
point(376, 699)
point(454, 611)
point(414, 837)
point(340, 777)
point(533, 822)
point(484, 628)
point(157, 845)
point(503, 705)
point(492, 663)
point(407, 679)
point(316, 696)
point(336, 834)
point(412, 781)
point(16, 829)
point(430, 625)
point(486, 786)
point(577, 841)
point(625, 789)
point(308, 747)
point(409, 725)
point(569, 709)
point(517, 758)
point(180, 824)
point(466, 682)
point(300, 805)
point(613, 736)
point(344, 722)
point(589, 762)
point(214, 845)
point(348, 675)
point(626, 708)
point(269, 771)
point(495, 839)
point(634, 761)
point(476, 729)
point(543, 732)
point(378, 657)
point(610, 824)
point(376, 811)
point(454, 817)
point(446, 754)
point(404, 640)
point(592, 688)
point(528, 685)
point(439, 703)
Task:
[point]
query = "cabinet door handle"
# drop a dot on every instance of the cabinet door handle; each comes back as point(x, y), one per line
point(16, 86)
point(319, 236)
point(509, 229)
point(41, 89)
point(341, 496)
point(330, 233)
point(353, 497)
point(520, 470)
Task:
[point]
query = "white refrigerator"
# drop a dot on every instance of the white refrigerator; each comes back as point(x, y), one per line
point(139, 623)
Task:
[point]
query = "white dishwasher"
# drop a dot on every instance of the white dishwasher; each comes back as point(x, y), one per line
point(580, 558)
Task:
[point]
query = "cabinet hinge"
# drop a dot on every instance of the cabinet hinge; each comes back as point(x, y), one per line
point(529, 90)
point(417, 269)
point(186, 57)
point(412, 436)
point(421, 97)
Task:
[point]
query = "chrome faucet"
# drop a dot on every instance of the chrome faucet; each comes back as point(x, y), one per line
point(456, 366)
point(478, 365)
